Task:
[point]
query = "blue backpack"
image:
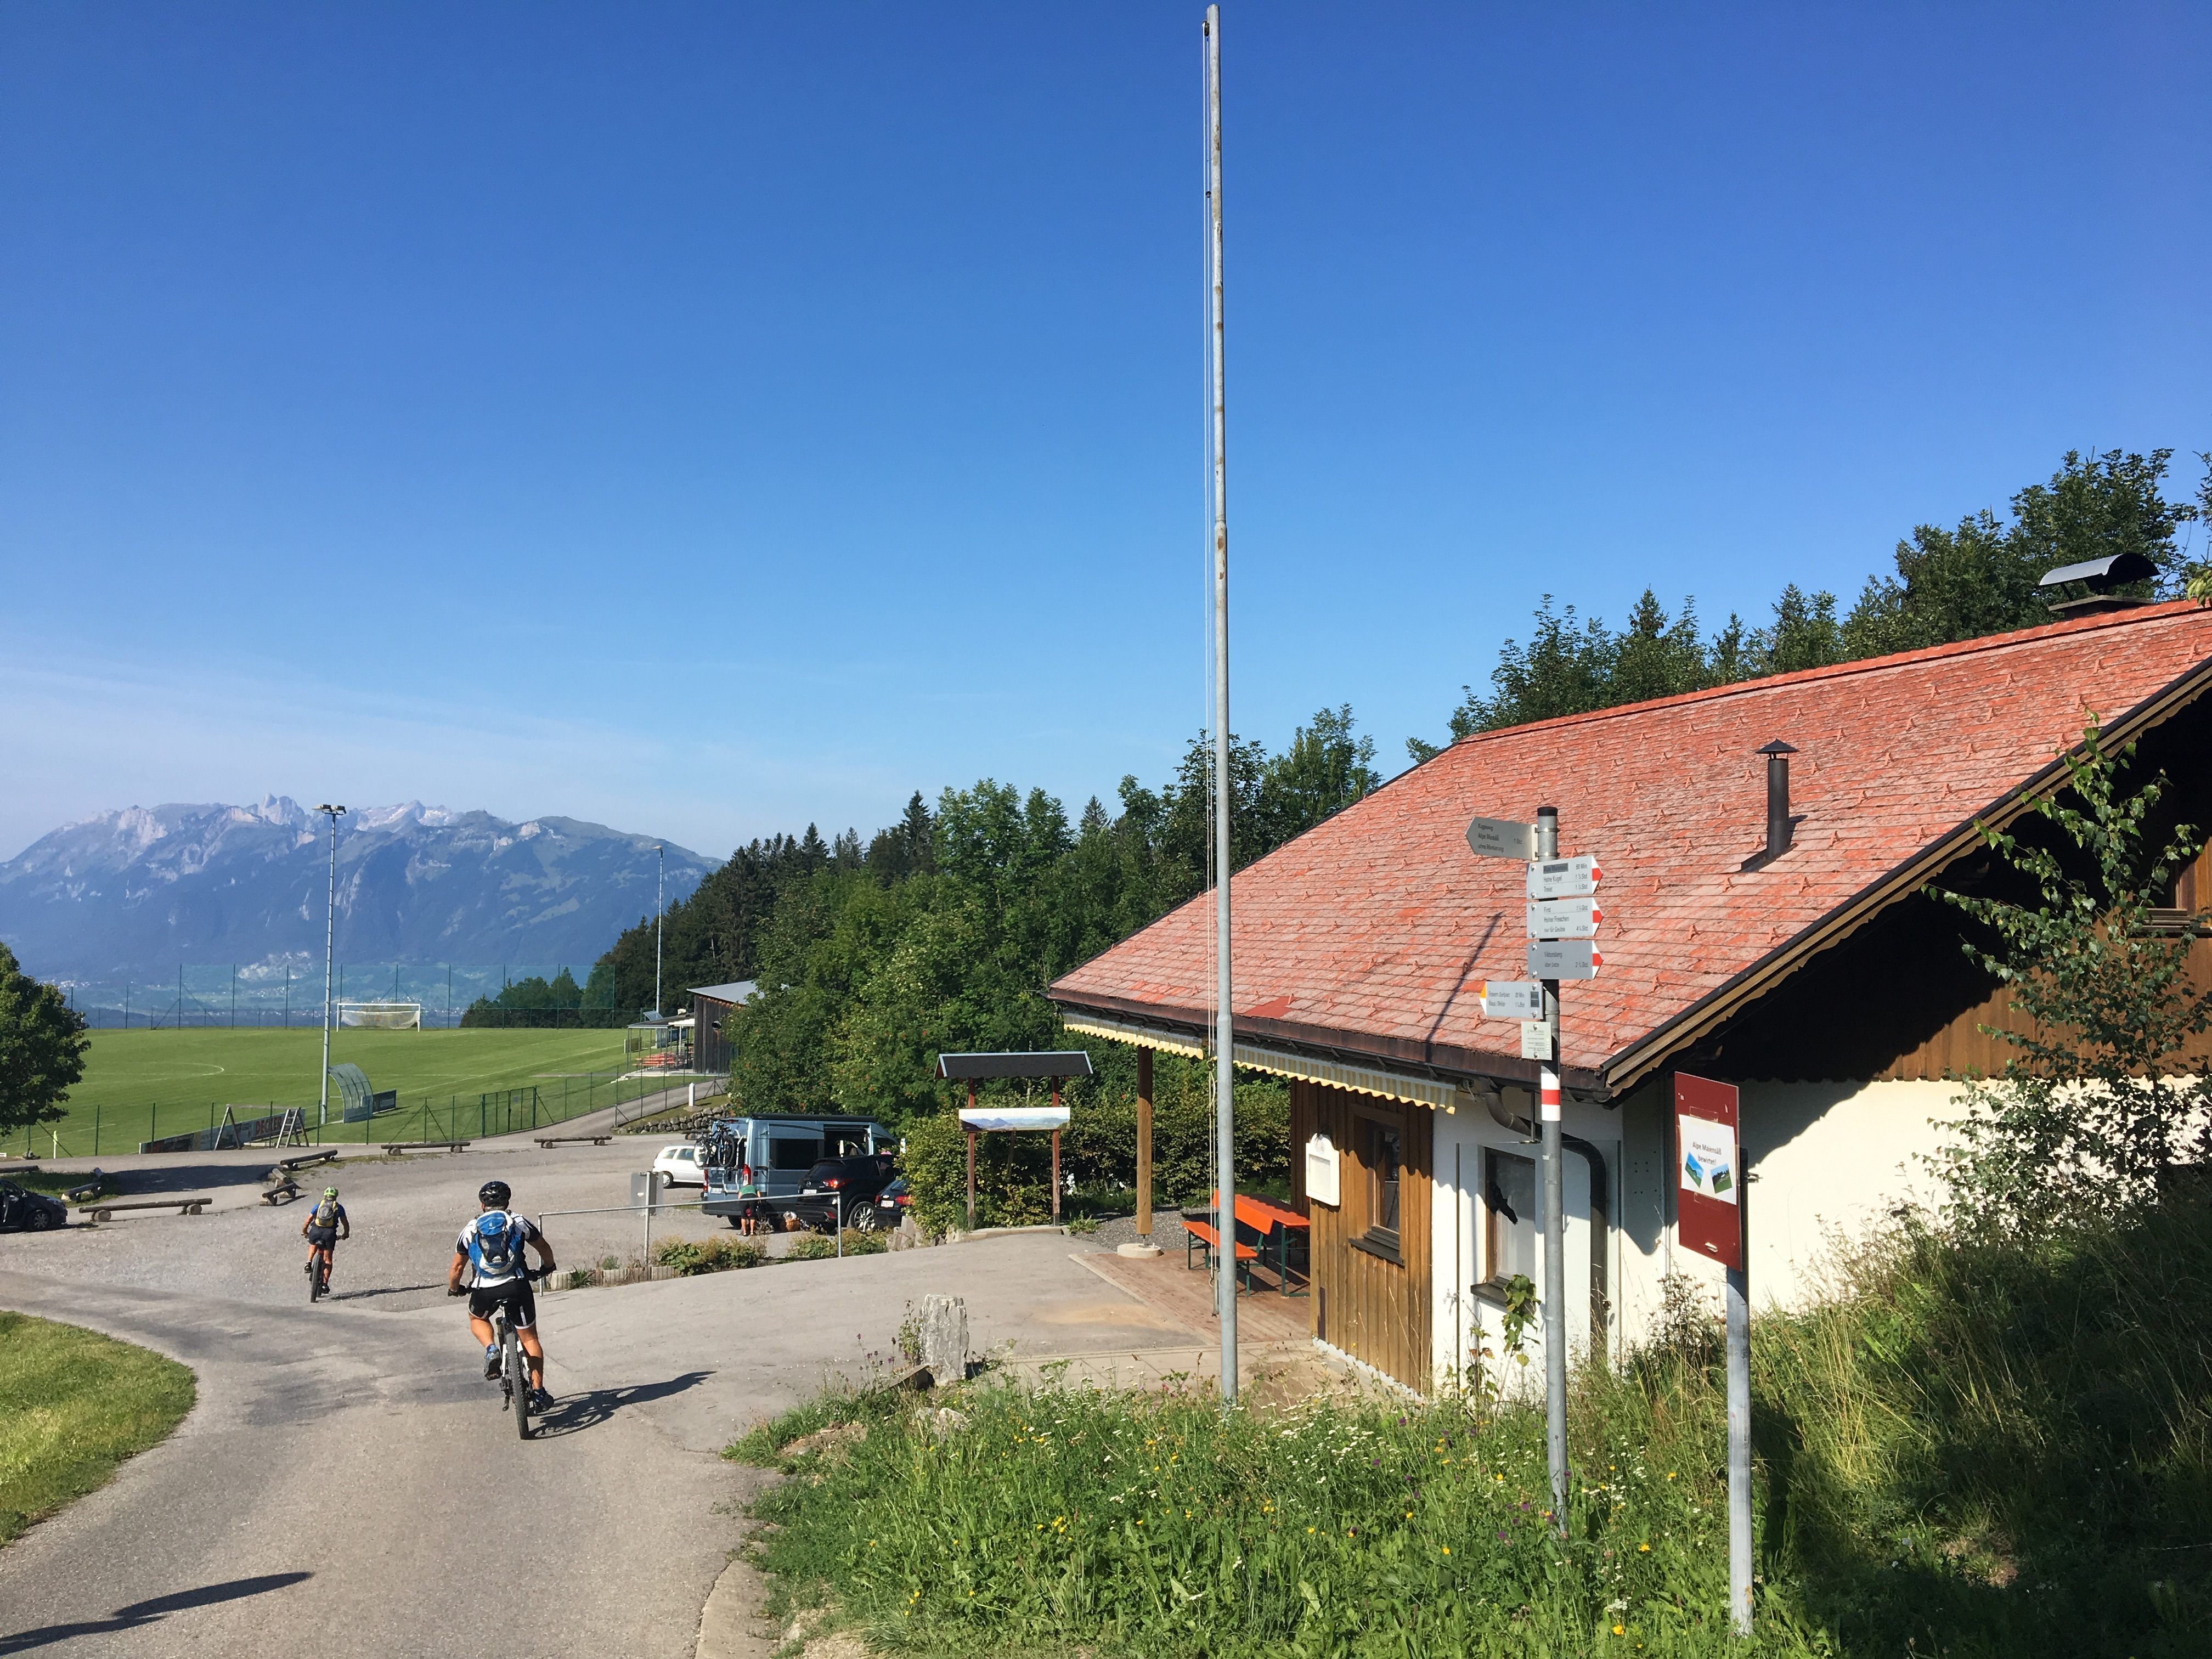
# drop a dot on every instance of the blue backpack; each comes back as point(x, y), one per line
point(495, 1245)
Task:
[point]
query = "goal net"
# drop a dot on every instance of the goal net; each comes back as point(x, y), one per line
point(382, 1016)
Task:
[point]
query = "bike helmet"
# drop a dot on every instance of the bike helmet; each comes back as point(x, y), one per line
point(495, 1194)
point(330, 1192)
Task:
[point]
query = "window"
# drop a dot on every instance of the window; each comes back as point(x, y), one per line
point(1509, 1195)
point(1384, 1158)
point(793, 1152)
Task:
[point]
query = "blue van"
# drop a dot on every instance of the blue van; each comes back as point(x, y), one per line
point(780, 1148)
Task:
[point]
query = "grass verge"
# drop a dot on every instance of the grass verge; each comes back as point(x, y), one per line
point(78, 1404)
point(1968, 1450)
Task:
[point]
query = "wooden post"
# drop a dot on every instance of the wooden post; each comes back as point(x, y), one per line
point(971, 1159)
point(1055, 1157)
point(1143, 1143)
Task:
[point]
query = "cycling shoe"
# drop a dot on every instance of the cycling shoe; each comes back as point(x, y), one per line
point(491, 1364)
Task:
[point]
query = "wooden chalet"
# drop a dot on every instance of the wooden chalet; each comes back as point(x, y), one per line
point(1818, 974)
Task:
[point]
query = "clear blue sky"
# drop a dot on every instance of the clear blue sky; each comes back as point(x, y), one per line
point(709, 419)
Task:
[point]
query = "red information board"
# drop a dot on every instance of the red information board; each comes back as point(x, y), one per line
point(1708, 1170)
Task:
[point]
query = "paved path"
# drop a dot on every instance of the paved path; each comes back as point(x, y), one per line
point(347, 1469)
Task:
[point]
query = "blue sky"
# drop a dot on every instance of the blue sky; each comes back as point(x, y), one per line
point(708, 420)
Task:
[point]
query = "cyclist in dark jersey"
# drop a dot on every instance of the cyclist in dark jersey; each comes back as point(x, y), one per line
point(493, 1245)
point(326, 1224)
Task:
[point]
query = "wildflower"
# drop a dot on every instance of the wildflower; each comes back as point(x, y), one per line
point(1448, 1549)
point(1620, 1630)
point(1643, 1549)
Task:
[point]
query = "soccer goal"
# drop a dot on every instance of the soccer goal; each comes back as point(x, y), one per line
point(382, 1016)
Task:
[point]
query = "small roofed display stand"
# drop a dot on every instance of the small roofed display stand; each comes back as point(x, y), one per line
point(975, 1120)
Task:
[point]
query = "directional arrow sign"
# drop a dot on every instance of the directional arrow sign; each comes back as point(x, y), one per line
point(1502, 838)
point(1563, 958)
point(1562, 878)
point(1512, 999)
point(1563, 918)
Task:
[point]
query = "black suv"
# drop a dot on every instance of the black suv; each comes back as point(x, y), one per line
point(21, 1207)
point(857, 1183)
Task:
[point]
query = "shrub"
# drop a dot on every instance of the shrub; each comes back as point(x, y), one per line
point(711, 1255)
point(811, 1247)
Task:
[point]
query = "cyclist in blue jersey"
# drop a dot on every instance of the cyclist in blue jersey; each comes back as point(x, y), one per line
point(492, 1245)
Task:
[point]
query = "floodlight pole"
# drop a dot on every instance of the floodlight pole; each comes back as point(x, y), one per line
point(330, 956)
point(660, 904)
point(1224, 1046)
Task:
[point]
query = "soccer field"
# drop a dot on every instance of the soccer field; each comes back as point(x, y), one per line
point(140, 1084)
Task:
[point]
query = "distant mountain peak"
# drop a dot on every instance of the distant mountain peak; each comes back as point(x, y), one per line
point(143, 888)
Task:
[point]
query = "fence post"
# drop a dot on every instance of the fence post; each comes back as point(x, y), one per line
point(96, 1131)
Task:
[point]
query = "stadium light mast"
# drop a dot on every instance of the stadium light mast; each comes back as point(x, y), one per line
point(330, 956)
point(660, 904)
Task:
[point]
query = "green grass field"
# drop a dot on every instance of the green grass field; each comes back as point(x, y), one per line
point(78, 1404)
point(138, 1083)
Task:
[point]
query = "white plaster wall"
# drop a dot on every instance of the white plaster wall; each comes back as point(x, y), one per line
point(1456, 1242)
point(1828, 1159)
point(1825, 1158)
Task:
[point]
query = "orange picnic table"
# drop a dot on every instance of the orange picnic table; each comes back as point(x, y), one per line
point(1266, 1222)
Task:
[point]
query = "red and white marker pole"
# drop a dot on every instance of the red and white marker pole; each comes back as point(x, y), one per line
point(1554, 1293)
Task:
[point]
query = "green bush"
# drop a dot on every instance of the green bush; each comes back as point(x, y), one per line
point(712, 1255)
point(810, 1246)
point(1013, 1172)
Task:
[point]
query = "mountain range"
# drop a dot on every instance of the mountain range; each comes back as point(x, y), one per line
point(141, 889)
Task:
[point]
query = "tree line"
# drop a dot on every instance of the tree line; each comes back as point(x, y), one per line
point(1979, 577)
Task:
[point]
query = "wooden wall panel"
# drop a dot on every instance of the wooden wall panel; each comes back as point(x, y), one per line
point(1375, 1309)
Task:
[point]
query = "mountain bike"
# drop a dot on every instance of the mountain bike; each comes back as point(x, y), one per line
point(318, 1276)
point(514, 1363)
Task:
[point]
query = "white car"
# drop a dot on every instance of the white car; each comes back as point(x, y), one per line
point(684, 1164)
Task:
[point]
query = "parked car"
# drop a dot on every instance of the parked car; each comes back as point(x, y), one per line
point(684, 1164)
point(780, 1150)
point(853, 1186)
point(34, 1212)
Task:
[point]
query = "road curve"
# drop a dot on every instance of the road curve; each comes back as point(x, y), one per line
point(346, 1476)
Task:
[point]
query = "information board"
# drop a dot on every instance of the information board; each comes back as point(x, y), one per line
point(1708, 1170)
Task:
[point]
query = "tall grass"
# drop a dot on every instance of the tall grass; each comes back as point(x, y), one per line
point(1965, 1450)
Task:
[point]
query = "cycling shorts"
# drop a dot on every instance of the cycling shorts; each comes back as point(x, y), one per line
point(513, 1294)
point(322, 1237)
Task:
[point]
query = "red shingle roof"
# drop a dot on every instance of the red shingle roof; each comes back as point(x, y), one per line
point(1374, 932)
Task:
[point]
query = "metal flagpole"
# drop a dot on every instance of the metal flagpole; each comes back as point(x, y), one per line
point(330, 954)
point(1555, 1220)
point(1224, 1046)
point(660, 904)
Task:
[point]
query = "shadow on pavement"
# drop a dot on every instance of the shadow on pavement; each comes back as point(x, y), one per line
point(188, 1177)
point(588, 1410)
point(148, 1613)
point(387, 1289)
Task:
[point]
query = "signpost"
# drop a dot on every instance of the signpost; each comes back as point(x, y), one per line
point(1709, 1212)
point(1563, 918)
point(1512, 999)
point(1502, 838)
point(1563, 958)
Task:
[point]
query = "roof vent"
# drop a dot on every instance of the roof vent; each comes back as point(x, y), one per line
point(2101, 577)
point(1779, 823)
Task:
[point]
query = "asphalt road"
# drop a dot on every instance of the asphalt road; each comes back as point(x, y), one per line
point(348, 1477)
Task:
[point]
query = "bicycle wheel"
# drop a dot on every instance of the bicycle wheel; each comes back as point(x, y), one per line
point(315, 1283)
point(517, 1383)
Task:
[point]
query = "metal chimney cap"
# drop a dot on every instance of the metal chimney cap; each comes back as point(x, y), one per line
point(1778, 747)
point(2108, 572)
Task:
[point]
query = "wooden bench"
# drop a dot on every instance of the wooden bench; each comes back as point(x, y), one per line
point(551, 1141)
point(104, 1210)
point(1201, 1235)
point(282, 1192)
point(285, 1166)
point(83, 1195)
point(394, 1148)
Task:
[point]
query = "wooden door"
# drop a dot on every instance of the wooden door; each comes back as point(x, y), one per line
point(1370, 1279)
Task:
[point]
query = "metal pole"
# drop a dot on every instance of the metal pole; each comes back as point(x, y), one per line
point(1555, 1224)
point(1225, 1045)
point(330, 956)
point(660, 904)
point(1738, 1416)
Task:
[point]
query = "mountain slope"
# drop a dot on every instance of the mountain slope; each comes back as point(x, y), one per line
point(143, 889)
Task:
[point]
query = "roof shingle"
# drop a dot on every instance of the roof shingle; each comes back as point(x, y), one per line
point(1379, 926)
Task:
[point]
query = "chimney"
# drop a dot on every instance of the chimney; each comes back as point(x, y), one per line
point(1777, 755)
